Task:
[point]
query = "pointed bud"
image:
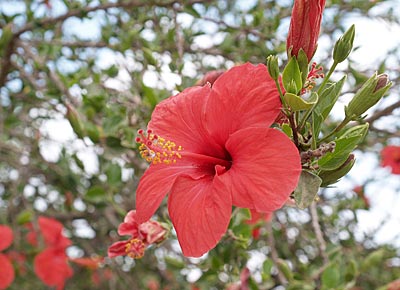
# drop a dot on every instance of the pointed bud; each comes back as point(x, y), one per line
point(273, 67)
point(304, 27)
point(344, 45)
point(369, 94)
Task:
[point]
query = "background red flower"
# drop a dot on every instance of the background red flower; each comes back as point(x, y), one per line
point(6, 269)
point(391, 158)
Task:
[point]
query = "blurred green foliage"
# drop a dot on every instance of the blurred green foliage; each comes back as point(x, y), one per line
point(73, 95)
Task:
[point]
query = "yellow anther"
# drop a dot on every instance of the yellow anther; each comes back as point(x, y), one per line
point(155, 149)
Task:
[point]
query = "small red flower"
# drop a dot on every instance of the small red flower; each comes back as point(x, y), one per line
point(7, 274)
point(395, 285)
point(141, 235)
point(305, 26)
point(51, 265)
point(222, 153)
point(256, 219)
point(391, 158)
point(90, 263)
point(244, 281)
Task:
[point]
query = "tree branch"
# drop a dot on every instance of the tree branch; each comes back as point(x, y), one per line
point(318, 233)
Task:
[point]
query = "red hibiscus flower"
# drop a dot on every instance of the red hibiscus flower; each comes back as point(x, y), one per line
point(305, 26)
point(7, 271)
point(141, 235)
point(221, 153)
point(51, 265)
point(391, 157)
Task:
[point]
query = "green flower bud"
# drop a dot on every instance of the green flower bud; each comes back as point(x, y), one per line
point(369, 94)
point(273, 67)
point(344, 45)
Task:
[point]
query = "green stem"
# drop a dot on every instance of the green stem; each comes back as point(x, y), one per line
point(280, 94)
point(321, 87)
point(337, 129)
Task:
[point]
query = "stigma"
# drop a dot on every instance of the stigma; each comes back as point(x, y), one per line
point(155, 149)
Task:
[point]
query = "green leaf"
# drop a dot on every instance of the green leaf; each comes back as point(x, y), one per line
point(306, 189)
point(149, 95)
point(190, 9)
point(328, 98)
point(148, 55)
point(24, 217)
point(344, 146)
point(95, 194)
point(292, 75)
point(374, 259)
point(112, 71)
point(287, 130)
point(333, 176)
point(114, 174)
point(351, 271)
point(302, 60)
point(330, 278)
point(297, 103)
point(317, 120)
point(285, 269)
point(174, 263)
point(92, 131)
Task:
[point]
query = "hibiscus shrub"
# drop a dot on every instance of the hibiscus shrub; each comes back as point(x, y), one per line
point(183, 145)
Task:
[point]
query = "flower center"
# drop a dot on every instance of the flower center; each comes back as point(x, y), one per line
point(155, 149)
point(135, 249)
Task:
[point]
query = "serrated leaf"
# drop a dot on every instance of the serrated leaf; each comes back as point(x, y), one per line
point(291, 74)
point(306, 189)
point(328, 98)
point(296, 103)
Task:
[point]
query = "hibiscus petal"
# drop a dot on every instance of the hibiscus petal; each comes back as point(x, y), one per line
point(265, 168)
point(117, 249)
point(244, 96)
point(180, 119)
point(130, 225)
point(200, 211)
point(51, 267)
point(6, 235)
point(7, 274)
point(156, 182)
point(51, 230)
